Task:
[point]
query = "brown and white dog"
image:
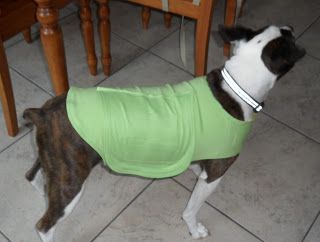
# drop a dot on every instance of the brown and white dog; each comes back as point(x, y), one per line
point(260, 58)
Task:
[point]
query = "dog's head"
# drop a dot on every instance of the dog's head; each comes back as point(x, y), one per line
point(275, 46)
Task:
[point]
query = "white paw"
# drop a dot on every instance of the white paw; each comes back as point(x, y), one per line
point(201, 232)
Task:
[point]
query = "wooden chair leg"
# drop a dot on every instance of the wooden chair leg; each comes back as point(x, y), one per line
point(202, 38)
point(230, 14)
point(240, 4)
point(27, 35)
point(88, 35)
point(6, 94)
point(167, 19)
point(145, 16)
point(52, 42)
point(104, 29)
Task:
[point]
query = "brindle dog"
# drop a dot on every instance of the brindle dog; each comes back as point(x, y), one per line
point(65, 159)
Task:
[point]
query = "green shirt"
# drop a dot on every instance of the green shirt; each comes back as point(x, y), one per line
point(155, 132)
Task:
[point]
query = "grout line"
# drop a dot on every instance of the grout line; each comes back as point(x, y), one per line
point(122, 210)
point(241, 226)
point(175, 29)
point(15, 141)
point(218, 210)
point(291, 127)
point(33, 35)
point(309, 229)
point(6, 237)
point(314, 57)
point(148, 50)
point(157, 42)
point(145, 50)
point(31, 81)
point(126, 40)
point(151, 46)
point(177, 66)
point(121, 67)
point(308, 27)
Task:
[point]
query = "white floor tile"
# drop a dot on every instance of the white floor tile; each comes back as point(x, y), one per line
point(156, 216)
point(295, 98)
point(297, 13)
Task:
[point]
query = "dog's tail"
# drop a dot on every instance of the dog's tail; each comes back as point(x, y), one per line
point(33, 115)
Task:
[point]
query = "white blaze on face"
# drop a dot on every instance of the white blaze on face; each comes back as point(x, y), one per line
point(256, 44)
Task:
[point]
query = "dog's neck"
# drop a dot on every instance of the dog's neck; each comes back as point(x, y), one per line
point(253, 77)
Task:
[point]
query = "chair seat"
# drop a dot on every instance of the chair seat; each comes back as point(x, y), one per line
point(9, 6)
point(16, 16)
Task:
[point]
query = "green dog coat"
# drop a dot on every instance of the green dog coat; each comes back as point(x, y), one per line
point(155, 132)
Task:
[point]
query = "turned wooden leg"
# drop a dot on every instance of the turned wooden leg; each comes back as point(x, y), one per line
point(88, 35)
point(230, 14)
point(6, 94)
point(167, 19)
point(202, 38)
point(145, 16)
point(240, 4)
point(27, 35)
point(104, 29)
point(52, 42)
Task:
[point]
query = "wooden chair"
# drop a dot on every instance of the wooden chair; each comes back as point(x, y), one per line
point(17, 16)
point(202, 14)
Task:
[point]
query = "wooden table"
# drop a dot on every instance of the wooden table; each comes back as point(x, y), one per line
point(52, 39)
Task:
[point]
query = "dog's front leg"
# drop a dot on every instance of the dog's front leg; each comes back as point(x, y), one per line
point(199, 195)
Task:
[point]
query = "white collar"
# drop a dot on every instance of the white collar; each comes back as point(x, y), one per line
point(257, 107)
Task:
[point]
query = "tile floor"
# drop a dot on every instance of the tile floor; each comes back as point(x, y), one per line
point(272, 193)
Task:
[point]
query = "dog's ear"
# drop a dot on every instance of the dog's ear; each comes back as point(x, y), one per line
point(235, 33)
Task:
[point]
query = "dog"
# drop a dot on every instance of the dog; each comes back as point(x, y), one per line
point(239, 88)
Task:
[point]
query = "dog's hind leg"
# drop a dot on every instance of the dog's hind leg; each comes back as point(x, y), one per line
point(200, 193)
point(35, 177)
point(47, 224)
point(61, 202)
